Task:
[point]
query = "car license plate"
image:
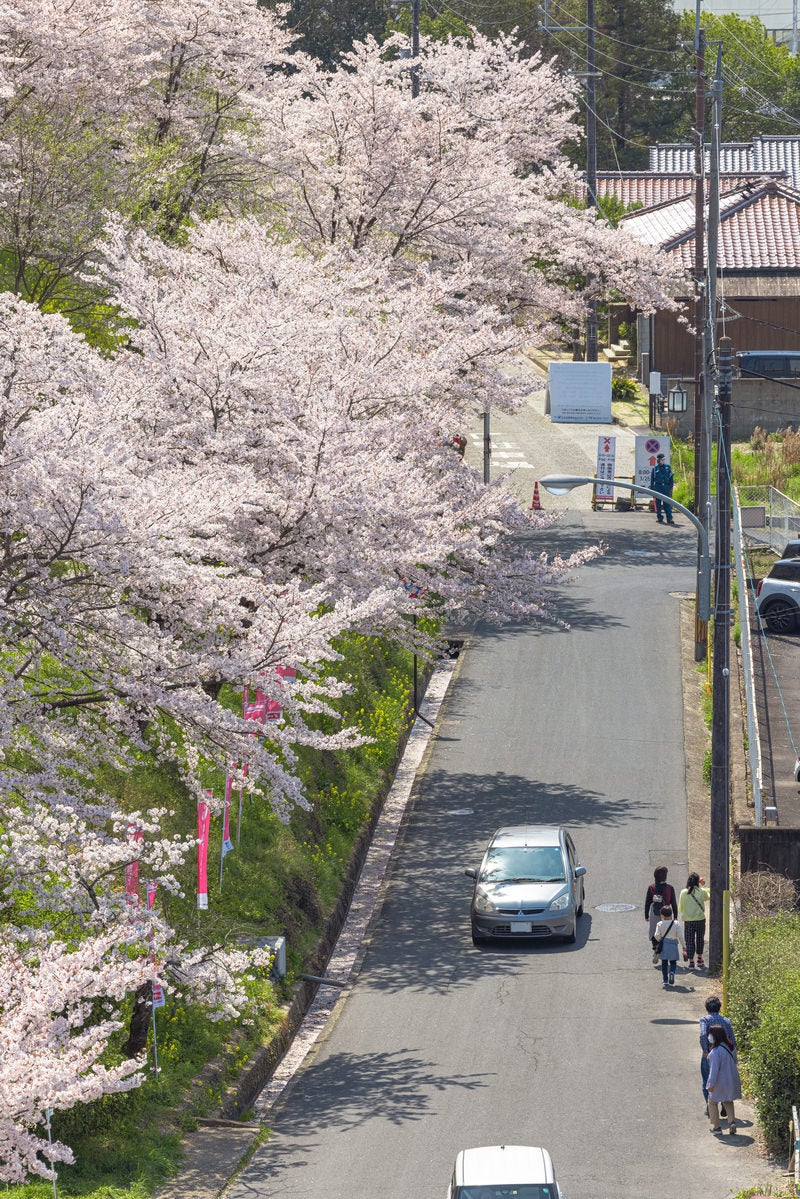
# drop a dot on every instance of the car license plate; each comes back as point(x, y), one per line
point(520, 926)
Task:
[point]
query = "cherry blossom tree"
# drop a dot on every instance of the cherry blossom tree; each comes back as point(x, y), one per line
point(261, 466)
point(471, 171)
point(51, 1042)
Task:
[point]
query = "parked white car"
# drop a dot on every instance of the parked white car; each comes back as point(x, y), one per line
point(503, 1172)
point(778, 596)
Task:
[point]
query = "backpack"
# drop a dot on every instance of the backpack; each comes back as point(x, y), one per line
point(657, 903)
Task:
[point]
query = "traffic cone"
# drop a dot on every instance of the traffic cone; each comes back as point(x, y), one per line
point(535, 502)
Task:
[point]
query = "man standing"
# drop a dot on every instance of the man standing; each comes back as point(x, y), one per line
point(662, 480)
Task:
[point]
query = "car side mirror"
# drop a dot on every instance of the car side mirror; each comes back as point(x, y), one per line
point(580, 871)
point(473, 874)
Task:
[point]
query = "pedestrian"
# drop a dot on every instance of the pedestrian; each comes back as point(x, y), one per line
point(659, 892)
point(668, 935)
point(724, 1084)
point(662, 480)
point(692, 911)
point(712, 1019)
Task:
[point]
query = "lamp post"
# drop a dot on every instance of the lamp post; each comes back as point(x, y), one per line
point(677, 398)
point(561, 484)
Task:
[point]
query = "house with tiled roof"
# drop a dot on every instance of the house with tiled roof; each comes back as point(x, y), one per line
point(758, 283)
point(646, 188)
point(766, 153)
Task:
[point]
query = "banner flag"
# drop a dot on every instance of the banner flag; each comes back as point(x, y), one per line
point(203, 825)
point(227, 844)
point(134, 835)
point(158, 991)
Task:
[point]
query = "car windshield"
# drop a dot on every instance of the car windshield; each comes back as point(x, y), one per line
point(524, 864)
point(525, 1190)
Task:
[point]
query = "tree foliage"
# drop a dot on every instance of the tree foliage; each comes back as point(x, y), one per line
point(761, 78)
point(299, 282)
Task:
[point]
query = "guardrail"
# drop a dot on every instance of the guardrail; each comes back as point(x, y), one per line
point(745, 645)
point(769, 518)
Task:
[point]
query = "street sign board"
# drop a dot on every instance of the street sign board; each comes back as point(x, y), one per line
point(580, 392)
point(647, 447)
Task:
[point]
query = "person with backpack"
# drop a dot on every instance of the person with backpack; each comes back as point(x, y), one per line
point(692, 911)
point(659, 892)
point(712, 1019)
point(724, 1084)
point(667, 936)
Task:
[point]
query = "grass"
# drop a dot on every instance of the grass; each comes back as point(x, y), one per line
point(281, 878)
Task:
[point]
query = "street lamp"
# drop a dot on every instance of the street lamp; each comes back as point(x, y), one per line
point(561, 484)
point(677, 398)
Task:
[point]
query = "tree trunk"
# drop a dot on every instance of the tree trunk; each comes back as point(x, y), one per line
point(140, 1021)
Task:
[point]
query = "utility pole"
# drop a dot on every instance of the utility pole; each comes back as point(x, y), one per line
point(591, 162)
point(702, 488)
point(719, 877)
point(415, 48)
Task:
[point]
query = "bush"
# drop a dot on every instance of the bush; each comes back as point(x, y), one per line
point(625, 390)
point(765, 952)
point(765, 893)
point(774, 1060)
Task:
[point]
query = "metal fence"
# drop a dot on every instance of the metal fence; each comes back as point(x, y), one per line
point(768, 517)
point(740, 532)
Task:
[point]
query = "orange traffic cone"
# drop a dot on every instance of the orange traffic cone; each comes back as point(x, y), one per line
point(535, 502)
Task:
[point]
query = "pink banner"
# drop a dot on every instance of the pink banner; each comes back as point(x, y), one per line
point(134, 835)
point(203, 825)
point(287, 673)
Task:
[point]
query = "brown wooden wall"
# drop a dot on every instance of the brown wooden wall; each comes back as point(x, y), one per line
point(765, 324)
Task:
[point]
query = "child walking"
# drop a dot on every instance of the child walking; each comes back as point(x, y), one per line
point(668, 935)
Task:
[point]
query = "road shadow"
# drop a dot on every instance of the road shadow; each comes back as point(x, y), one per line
point(428, 895)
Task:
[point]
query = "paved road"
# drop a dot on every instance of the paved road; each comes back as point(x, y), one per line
point(442, 1045)
point(528, 445)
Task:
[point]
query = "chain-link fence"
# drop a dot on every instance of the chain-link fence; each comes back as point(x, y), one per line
point(768, 517)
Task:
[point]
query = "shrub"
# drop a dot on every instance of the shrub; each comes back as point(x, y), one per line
point(625, 389)
point(765, 952)
point(774, 1060)
point(765, 893)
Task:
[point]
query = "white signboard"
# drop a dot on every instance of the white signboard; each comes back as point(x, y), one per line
point(606, 454)
point(646, 450)
point(580, 392)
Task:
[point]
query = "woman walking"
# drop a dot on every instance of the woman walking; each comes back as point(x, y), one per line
point(667, 936)
point(724, 1084)
point(659, 892)
point(692, 911)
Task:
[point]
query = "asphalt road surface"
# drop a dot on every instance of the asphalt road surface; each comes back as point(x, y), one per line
point(442, 1045)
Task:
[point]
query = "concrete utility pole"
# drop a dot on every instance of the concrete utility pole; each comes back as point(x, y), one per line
point(719, 877)
point(702, 488)
point(415, 47)
point(591, 162)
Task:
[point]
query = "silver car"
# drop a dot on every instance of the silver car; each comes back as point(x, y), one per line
point(530, 884)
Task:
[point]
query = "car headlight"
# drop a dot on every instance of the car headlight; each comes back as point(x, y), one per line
point(560, 903)
point(483, 903)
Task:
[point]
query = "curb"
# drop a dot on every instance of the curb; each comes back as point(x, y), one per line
point(216, 1151)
